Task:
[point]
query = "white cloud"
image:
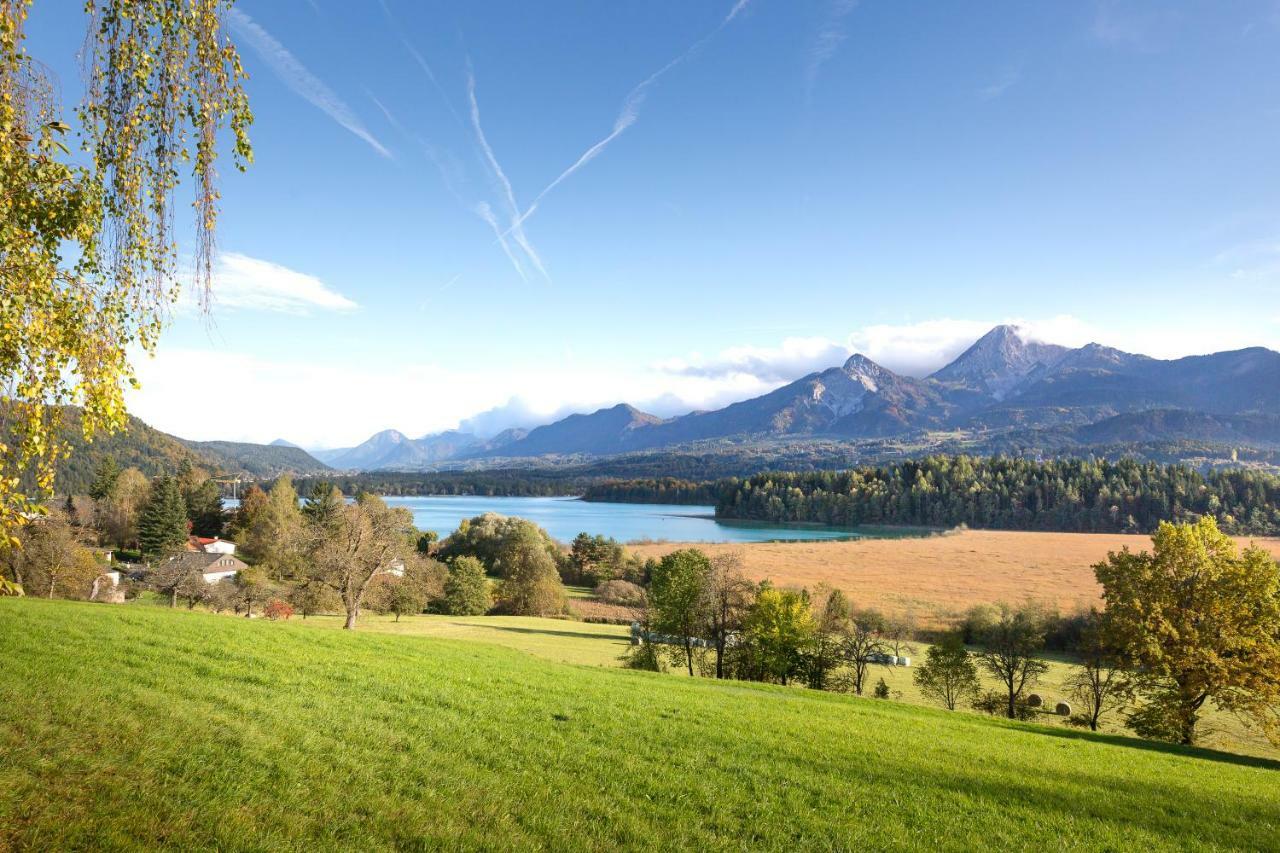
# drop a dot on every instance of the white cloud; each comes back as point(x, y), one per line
point(793, 358)
point(240, 281)
point(296, 76)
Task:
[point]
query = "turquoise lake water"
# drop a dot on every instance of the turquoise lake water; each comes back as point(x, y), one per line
point(565, 518)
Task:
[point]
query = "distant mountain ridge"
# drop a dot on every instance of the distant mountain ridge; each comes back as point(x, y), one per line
point(1004, 381)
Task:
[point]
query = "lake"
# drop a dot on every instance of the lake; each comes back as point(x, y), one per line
point(565, 518)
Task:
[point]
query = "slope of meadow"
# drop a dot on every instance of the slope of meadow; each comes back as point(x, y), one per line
point(130, 726)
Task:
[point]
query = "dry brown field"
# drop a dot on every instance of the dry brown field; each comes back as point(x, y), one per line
point(936, 579)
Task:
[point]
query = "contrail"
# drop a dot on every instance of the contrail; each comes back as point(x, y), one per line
point(626, 116)
point(516, 230)
point(295, 75)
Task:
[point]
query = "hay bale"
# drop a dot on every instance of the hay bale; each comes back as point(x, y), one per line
point(1063, 709)
point(1035, 700)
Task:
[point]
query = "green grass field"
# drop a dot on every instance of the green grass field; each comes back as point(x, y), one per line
point(136, 726)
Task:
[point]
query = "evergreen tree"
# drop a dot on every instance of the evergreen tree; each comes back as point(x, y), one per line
point(204, 509)
point(104, 479)
point(162, 528)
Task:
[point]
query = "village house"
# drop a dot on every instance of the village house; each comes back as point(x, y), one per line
point(210, 545)
point(213, 567)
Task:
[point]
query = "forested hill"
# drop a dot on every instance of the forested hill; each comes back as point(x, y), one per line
point(1011, 494)
point(154, 452)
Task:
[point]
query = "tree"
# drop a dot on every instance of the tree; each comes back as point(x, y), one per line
point(466, 590)
point(862, 646)
point(87, 249)
point(678, 598)
point(779, 629)
point(1008, 651)
point(253, 587)
point(729, 596)
point(176, 578)
point(530, 581)
point(104, 479)
point(595, 559)
point(948, 674)
point(421, 583)
point(309, 597)
point(365, 538)
point(116, 514)
point(50, 561)
point(273, 533)
point(252, 505)
point(485, 536)
point(1098, 684)
point(323, 507)
point(162, 526)
point(204, 509)
point(830, 629)
point(1195, 620)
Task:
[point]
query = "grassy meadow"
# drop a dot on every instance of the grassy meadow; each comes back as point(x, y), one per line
point(938, 578)
point(137, 726)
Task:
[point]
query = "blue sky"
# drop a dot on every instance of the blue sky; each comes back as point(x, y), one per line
point(728, 194)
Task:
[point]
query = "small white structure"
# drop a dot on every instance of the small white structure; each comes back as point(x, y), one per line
point(211, 545)
point(395, 567)
point(226, 566)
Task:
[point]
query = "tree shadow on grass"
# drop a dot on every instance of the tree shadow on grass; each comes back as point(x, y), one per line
point(574, 634)
point(1200, 752)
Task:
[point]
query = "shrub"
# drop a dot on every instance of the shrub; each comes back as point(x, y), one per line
point(882, 689)
point(622, 593)
point(277, 609)
point(997, 705)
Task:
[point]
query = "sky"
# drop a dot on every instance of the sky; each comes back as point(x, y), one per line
point(486, 214)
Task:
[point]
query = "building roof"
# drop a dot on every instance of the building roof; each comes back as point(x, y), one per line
point(207, 563)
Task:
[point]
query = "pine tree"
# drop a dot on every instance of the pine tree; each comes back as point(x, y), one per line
point(162, 529)
point(104, 479)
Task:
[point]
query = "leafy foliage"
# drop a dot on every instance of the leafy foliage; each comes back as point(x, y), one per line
point(161, 81)
point(1195, 619)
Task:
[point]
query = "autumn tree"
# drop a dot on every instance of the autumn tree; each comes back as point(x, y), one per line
point(728, 598)
point(1008, 651)
point(50, 560)
point(365, 538)
point(410, 592)
point(830, 629)
point(466, 590)
point(273, 533)
point(679, 601)
point(88, 253)
point(530, 583)
point(779, 629)
point(252, 587)
point(1195, 620)
point(116, 513)
point(948, 674)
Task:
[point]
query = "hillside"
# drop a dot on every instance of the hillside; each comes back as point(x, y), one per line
point(154, 452)
point(201, 731)
point(257, 460)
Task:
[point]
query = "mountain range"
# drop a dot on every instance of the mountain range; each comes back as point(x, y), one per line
point(1003, 383)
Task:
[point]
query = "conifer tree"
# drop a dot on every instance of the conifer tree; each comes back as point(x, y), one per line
point(162, 529)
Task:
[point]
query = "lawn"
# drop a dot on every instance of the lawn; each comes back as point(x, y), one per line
point(136, 726)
